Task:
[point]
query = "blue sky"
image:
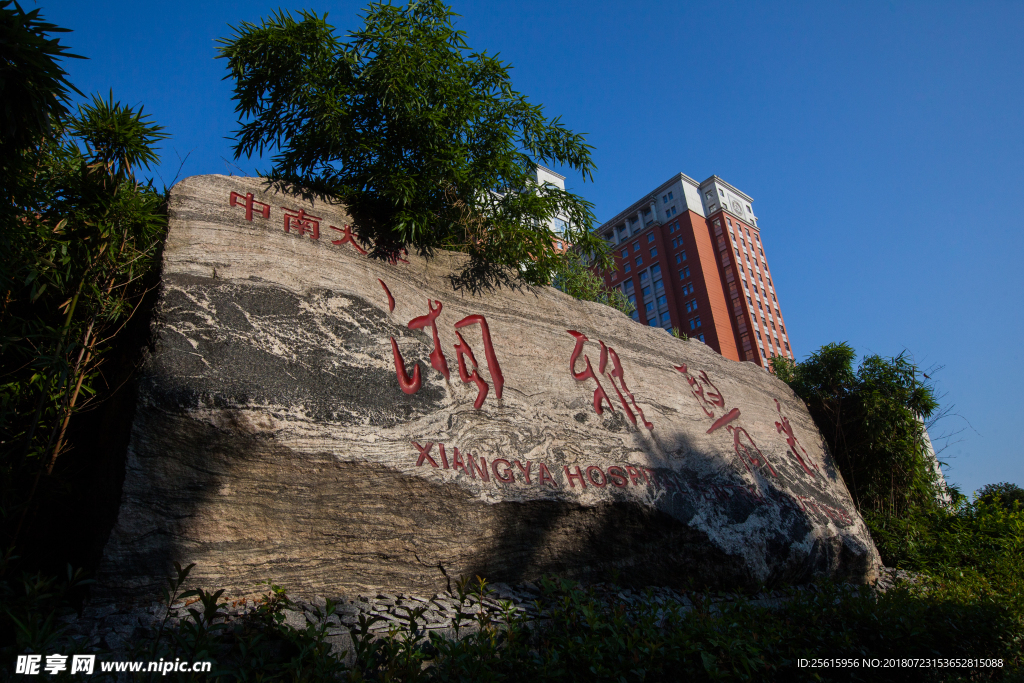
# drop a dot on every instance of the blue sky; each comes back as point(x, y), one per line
point(882, 142)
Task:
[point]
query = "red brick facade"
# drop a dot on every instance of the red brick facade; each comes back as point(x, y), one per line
point(714, 279)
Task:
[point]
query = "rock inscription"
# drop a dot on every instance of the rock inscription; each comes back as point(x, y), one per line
point(335, 423)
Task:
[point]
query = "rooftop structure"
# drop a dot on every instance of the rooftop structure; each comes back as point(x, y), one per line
point(690, 257)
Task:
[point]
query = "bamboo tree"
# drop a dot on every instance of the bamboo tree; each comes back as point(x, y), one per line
point(871, 419)
point(89, 231)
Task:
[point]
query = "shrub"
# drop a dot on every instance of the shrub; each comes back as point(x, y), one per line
point(871, 419)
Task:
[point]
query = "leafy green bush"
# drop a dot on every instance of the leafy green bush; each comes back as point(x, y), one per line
point(872, 421)
point(81, 237)
point(574, 277)
point(1006, 493)
point(582, 638)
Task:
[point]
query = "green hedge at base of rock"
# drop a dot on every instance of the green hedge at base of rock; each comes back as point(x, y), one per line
point(966, 604)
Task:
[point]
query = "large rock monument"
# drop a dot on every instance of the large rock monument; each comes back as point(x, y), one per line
point(335, 423)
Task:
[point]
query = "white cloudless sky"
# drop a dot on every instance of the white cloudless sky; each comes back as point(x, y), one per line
point(882, 142)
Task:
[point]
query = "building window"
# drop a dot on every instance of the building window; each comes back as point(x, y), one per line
point(691, 306)
point(625, 253)
point(632, 299)
point(628, 286)
point(721, 192)
point(707, 195)
point(694, 323)
point(636, 246)
point(684, 273)
point(643, 277)
point(650, 237)
point(653, 322)
point(786, 344)
point(687, 289)
point(659, 286)
point(650, 307)
point(635, 315)
point(749, 301)
point(625, 269)
point(655, 270)
point(662, 301)
point(654, 252)
point(701, 337)
point(639, 261)
point(646, 291)
point(666, 319)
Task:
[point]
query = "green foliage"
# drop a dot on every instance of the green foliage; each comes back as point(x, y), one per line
point(575, 277)
point(871, 419)
point(1004, 493)
point(29, 606)
point(645, 638)
point(985, 537)
point(259, 646)
point(81, 237)
point(423, 140)
point(117, 137)
point(34, 87)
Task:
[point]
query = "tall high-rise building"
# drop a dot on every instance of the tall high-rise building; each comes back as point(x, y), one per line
point(690, 256)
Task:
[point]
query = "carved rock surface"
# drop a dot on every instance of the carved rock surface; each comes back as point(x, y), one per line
point(275, 439)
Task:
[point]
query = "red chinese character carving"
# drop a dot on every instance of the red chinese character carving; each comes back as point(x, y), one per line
point(301, 222)
point(599, 394)
point(462, 351)
point(248, 202)
point(748, 451)
point(346, 232)
point(437, 359)
point(705, 399)
point(724, 420)
point(411, 385)
point(408, 385)
point(709, 398)
point(617, 377)
point(391, 299)
point(795, 447)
